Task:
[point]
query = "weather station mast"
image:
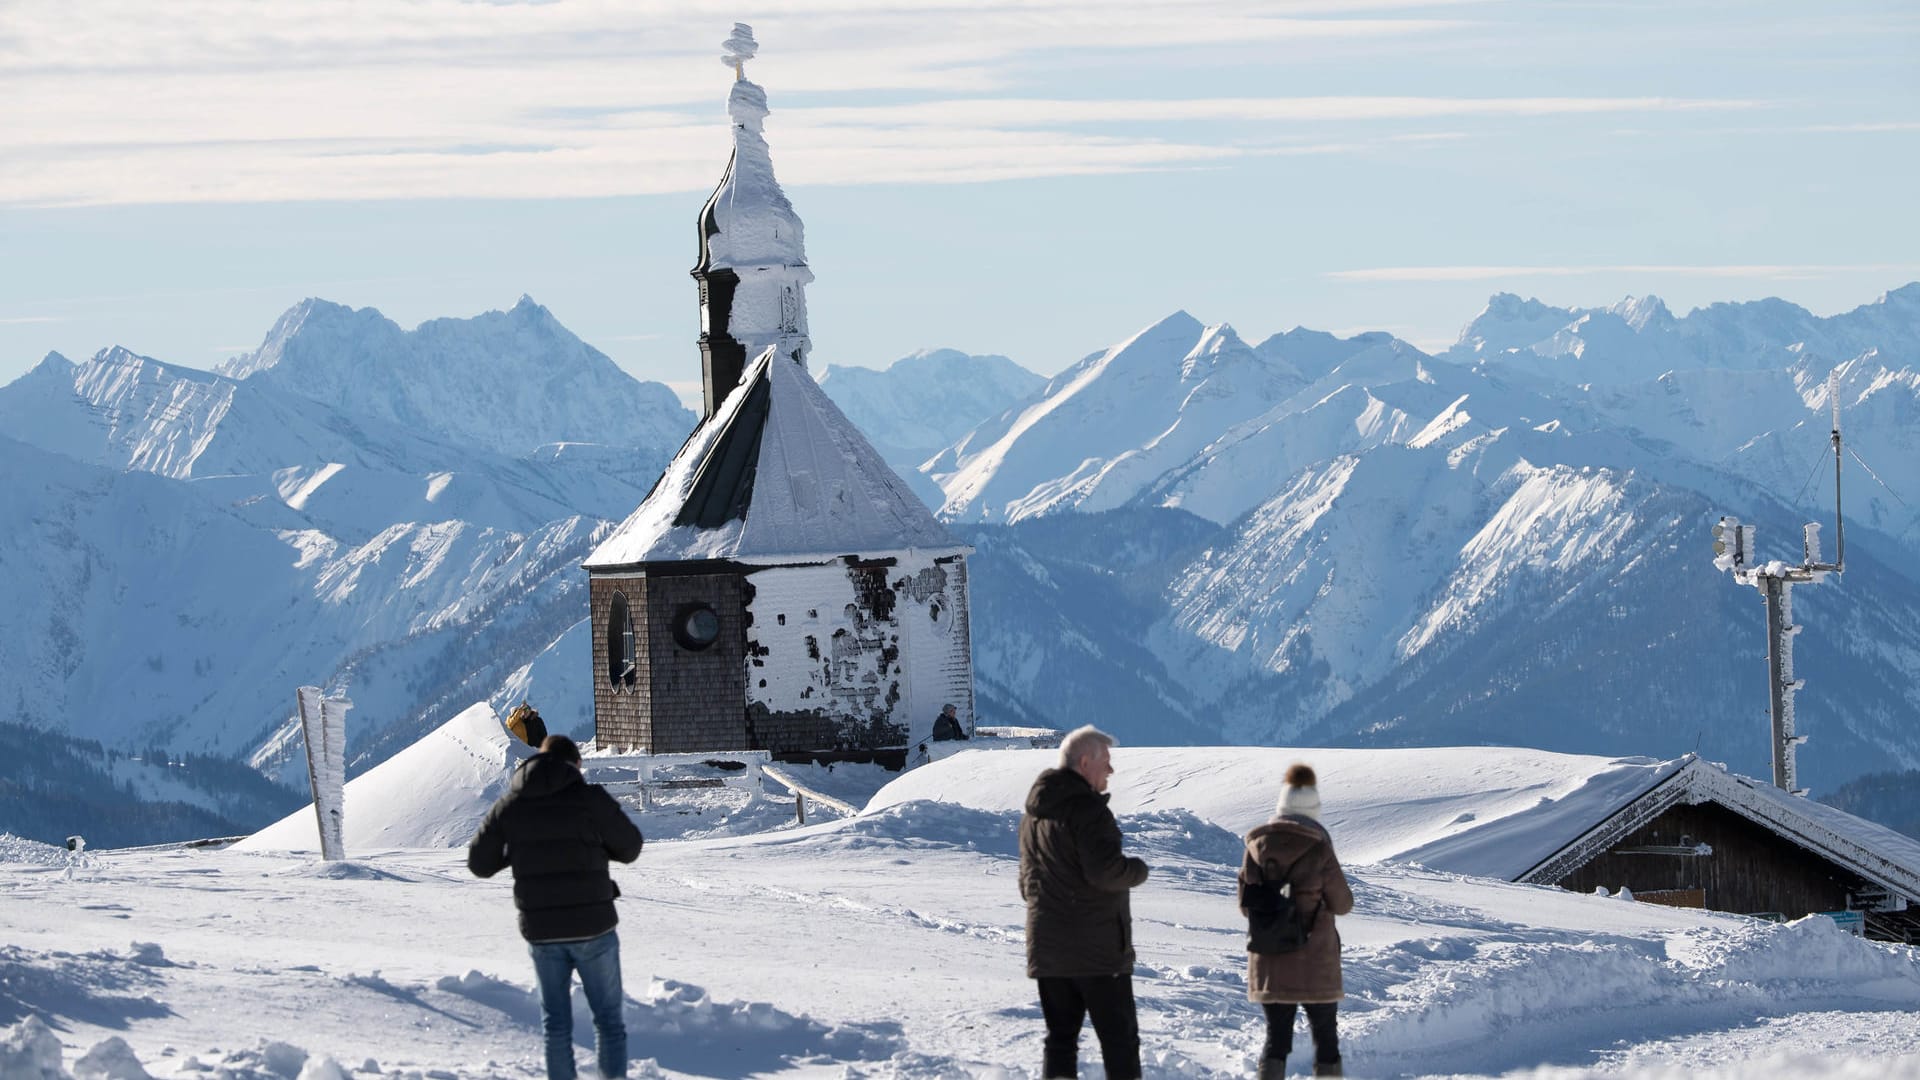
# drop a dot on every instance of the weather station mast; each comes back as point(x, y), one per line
point(1734, 550)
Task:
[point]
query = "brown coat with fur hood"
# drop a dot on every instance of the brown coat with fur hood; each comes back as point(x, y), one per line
point(1298, 850)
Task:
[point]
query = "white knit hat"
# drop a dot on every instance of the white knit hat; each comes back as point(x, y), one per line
point(1302, 795)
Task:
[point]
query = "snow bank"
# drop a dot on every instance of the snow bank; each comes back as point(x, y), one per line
point(31, 1052)
point(680, 1026)
point(18, 849)
point(1481, 811)
point(1500, 996)
point(432, 794)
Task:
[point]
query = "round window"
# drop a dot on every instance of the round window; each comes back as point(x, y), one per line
point(696, 627)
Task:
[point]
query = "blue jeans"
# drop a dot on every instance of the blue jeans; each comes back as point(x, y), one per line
point(598, 962)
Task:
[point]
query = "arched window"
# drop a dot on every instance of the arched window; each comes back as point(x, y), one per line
point(621, 666)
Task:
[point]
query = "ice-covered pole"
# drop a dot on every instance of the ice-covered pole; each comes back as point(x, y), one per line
point(323, 721)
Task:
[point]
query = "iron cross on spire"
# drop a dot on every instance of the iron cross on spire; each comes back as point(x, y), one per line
point(1733, 549)
point(740, 48)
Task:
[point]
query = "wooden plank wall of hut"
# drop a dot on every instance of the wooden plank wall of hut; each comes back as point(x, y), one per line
point(1752, 869)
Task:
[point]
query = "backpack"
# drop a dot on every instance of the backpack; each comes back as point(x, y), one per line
point(1275, 924)
point(525, 723)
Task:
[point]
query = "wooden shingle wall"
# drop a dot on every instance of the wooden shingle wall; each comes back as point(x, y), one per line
point(697, 699)
point(1751, 869)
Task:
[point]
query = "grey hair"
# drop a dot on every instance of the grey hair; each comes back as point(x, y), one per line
point(1080, 742)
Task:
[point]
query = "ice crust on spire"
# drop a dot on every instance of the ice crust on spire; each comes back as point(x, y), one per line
point(739, 46)
point(752, 228)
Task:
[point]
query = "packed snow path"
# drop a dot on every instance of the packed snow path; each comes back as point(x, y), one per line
point(891, 944)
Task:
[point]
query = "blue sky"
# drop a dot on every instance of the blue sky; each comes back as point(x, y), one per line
point(1029, 177)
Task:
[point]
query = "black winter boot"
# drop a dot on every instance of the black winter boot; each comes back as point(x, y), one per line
point(1328, 1068)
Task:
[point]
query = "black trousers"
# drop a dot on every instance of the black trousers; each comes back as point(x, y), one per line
point(1321, 1020)
point(1067, 1003)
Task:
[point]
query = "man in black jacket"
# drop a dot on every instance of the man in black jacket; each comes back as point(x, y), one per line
point(1074, 879)
point(557, 832)
point(946, 726)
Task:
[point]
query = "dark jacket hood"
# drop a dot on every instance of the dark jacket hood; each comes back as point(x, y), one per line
point(544, 774)
point(1056, 790)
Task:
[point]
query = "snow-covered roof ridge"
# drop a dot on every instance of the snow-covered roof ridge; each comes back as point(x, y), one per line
point(1875, 852)
point(812, 485)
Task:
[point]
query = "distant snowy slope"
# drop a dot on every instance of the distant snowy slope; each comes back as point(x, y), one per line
point(1431, 596)
point(292, 463)
point(1639, 338)
point(1061, 609)
point(922, 403)
point(127, 411)
point(1457, 808)
point(145, 614)
point(1112, 424)
point(122, 590)
point(511, 381)
point(433, 794)
point(1386, 394)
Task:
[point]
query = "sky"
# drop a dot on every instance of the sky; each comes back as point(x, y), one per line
point(1033, 178)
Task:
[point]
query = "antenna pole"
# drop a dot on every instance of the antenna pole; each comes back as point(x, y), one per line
point(1781, 683)
point(1733, 550)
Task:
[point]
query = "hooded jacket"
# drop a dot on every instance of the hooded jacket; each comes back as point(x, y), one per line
point(1075, 881)
point(1298, 850)
point(557, 832)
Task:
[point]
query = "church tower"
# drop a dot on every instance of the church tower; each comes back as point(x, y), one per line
point(780, 588)
point(753, 253)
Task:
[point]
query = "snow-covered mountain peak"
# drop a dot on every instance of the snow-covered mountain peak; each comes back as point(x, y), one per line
point(51, 366)
point(1111, 425)
point(1316, 353)
point(121, 357)
point(1906, 296)
point(1642, 311)
point(304, 320)
point(1178, 326)
point(1216, 342)
point(1509, 322)
point(466, 381)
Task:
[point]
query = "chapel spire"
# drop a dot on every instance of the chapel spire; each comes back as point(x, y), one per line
point(753, 261)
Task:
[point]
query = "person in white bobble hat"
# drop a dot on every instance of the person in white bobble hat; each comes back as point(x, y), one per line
point(1291, 887)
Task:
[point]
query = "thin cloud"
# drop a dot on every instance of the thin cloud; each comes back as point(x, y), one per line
point(1028, 112)
point(19, 320)
point(237, 101)
point(1777, 272)
point(357, 150)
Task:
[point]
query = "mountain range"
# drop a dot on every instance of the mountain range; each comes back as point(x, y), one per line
point(1183, 538)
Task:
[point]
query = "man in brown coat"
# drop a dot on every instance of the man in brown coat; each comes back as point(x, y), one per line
point(1295, 848)
point(1074, 879)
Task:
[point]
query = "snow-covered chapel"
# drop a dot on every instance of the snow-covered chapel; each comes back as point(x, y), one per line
point(780, 588)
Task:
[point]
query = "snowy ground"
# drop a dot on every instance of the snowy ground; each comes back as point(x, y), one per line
point(890, 945)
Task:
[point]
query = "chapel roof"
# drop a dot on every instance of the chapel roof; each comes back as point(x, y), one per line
point(777, 474)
